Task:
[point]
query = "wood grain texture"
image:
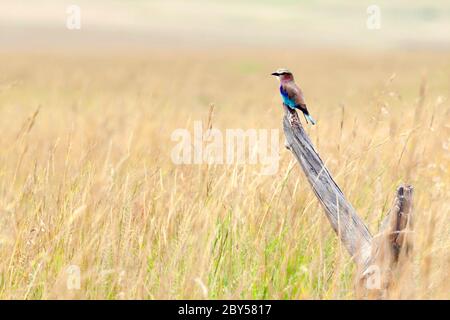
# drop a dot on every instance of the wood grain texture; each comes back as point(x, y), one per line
point(392, 246)
point(343, 218)
point(381, 259)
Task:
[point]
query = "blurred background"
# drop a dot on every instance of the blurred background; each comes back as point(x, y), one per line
point(283, 24)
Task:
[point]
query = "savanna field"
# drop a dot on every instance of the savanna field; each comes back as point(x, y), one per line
point(87, 180)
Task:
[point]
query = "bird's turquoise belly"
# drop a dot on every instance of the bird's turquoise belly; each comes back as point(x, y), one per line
point(288, 102)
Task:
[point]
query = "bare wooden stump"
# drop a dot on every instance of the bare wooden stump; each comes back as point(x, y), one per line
point(392, 246)
point(377, 257)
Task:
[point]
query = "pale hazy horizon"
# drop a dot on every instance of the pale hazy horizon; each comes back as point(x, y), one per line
point(235, 24)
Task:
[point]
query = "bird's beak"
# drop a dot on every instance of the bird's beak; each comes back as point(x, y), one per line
point(275, 74)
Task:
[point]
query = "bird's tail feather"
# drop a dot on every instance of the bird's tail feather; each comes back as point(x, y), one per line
point(306, 113)
point(308, 117)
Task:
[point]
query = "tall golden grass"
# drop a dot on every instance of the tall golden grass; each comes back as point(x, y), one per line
point(86, 177)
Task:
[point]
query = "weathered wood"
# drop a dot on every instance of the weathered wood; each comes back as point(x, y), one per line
point(343, 218)
point(397, 226)
point(393, 245)
point(376, 257)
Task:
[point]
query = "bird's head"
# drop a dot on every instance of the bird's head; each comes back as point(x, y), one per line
point(283, 75)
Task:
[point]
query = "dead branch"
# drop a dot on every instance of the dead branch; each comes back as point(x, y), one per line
point(383, 250)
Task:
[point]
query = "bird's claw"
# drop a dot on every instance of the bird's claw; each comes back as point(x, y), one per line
point(293, 120)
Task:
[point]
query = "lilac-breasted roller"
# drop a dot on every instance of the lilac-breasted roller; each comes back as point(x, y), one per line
point(291, 94)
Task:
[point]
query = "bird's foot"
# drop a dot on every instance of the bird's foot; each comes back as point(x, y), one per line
point(293, 119)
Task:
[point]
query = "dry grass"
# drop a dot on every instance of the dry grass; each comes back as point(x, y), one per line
point(86, 177)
